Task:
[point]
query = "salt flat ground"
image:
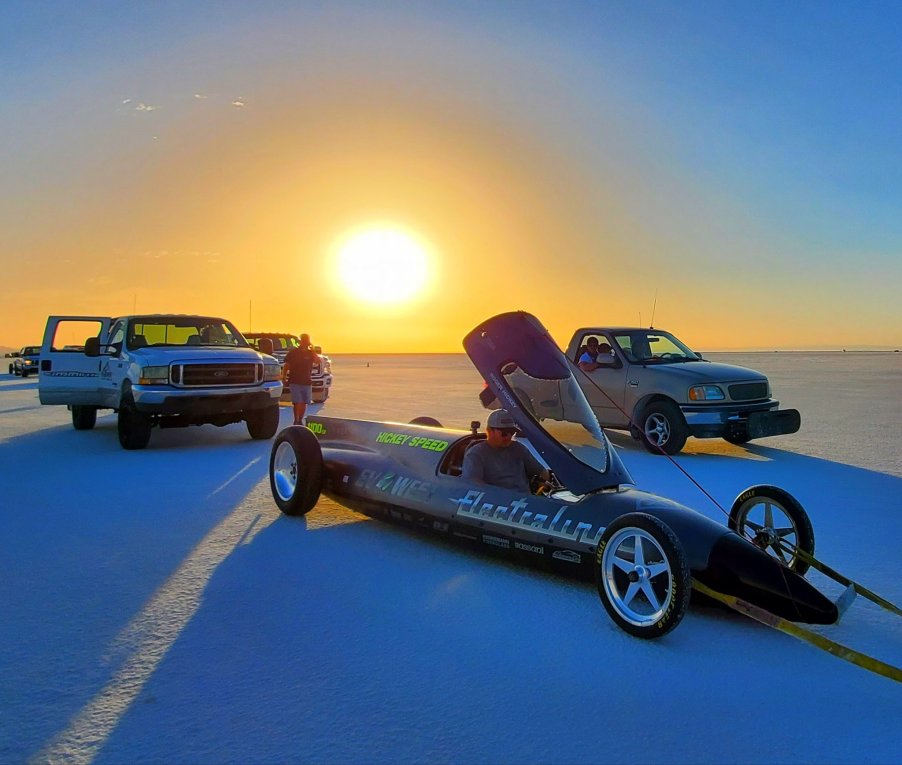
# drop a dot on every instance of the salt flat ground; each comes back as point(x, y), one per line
point(157, 608)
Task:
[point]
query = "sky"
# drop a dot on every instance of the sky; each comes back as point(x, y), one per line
point(730, 170)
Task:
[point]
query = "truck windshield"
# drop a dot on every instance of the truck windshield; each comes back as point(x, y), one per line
point(181, 331)
point(651, 346)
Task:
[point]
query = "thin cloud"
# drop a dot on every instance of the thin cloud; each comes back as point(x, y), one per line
point(238, 102)
point(126, 101)
point(142, 107)
point(200, 96)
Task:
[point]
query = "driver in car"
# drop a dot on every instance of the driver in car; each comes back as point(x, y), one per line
point(501, 461)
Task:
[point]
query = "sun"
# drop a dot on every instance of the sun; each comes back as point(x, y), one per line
point(384, 265)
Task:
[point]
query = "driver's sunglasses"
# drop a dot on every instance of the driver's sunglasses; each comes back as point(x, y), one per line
point(506, 432)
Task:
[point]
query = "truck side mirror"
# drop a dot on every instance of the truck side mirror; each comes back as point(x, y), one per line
point(264, 345)
point(92, 346)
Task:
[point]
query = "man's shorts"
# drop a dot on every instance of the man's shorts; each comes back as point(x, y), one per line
point(301, 394)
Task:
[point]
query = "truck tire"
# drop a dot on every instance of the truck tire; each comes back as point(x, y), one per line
point(662, 428)
point(84, 417)
point(263, 423)
point(133, 426)
point(296, 470)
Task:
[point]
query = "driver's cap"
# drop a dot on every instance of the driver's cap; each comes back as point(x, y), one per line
point(501, 418)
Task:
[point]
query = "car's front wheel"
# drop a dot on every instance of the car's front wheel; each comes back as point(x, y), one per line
point(662, 428)
point(296, 470)
point(775, 521)
point(133, 426)
point(642, 575)
point(263, 423)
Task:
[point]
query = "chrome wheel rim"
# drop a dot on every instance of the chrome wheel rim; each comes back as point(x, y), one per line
point(657, 429)
point(767, 525)
point(637, 577)
point(285, 471)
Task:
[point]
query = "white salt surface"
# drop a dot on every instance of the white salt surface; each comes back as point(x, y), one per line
point(157, 608)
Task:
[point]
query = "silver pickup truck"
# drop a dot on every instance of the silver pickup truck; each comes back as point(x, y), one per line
point(648, 382)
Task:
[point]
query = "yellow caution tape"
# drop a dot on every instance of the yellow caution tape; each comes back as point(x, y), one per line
point(790, 628)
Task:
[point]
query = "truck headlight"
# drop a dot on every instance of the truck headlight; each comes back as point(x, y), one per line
point(154, 376)
point(272, 372)
point(706, 393)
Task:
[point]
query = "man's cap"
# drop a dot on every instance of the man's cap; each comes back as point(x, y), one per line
point(305, 335)
point(501, 418)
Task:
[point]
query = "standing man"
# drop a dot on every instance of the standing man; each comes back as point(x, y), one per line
point(297, 374)
point(499, 460)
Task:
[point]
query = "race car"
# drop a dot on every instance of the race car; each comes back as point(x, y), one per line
point(644, 551)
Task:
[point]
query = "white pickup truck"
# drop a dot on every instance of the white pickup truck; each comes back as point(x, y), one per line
point(158, 370)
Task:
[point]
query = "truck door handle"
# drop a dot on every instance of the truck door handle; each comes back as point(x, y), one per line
point(634, 383)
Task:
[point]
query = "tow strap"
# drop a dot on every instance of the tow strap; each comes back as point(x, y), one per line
point(809, 636)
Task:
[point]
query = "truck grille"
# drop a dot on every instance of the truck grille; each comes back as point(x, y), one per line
point(215, 375)
point(748, 391)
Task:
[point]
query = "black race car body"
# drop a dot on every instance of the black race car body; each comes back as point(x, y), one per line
point(643, 550)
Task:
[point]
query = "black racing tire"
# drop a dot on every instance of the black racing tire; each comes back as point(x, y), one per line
point(428, 421)
point(662, 428)
point(263, 423)
point(84, 417)
point(645, 597)
point(767, 516)
point(24, 373)
point(296, 470)
point(11, 370)
point(133, 426)
point(740, 439)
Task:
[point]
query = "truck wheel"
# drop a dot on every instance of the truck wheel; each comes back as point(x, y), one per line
point(642, 575)
point(296, 470)
point(663, 428)
point(775, 521)
point(84, 417)
point(134, 427)
point(263, 423)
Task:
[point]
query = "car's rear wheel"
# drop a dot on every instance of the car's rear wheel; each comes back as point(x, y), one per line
point(662, 428)
point(263, 423)
point(428, 421)
point(296, 470)
point(642, 575)
point(84, 417)
point(775, 521)
point(133, 426)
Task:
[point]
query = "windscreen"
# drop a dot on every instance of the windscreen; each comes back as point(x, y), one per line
point(560, 408)
point(650, 346)
point(182, 330)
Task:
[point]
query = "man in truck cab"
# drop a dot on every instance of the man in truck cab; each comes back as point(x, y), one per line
point(596, 355)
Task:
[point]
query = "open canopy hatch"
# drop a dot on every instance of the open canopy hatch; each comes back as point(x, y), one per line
point(527, 372)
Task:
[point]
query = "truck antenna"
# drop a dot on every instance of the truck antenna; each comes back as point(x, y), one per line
point(654, 305)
